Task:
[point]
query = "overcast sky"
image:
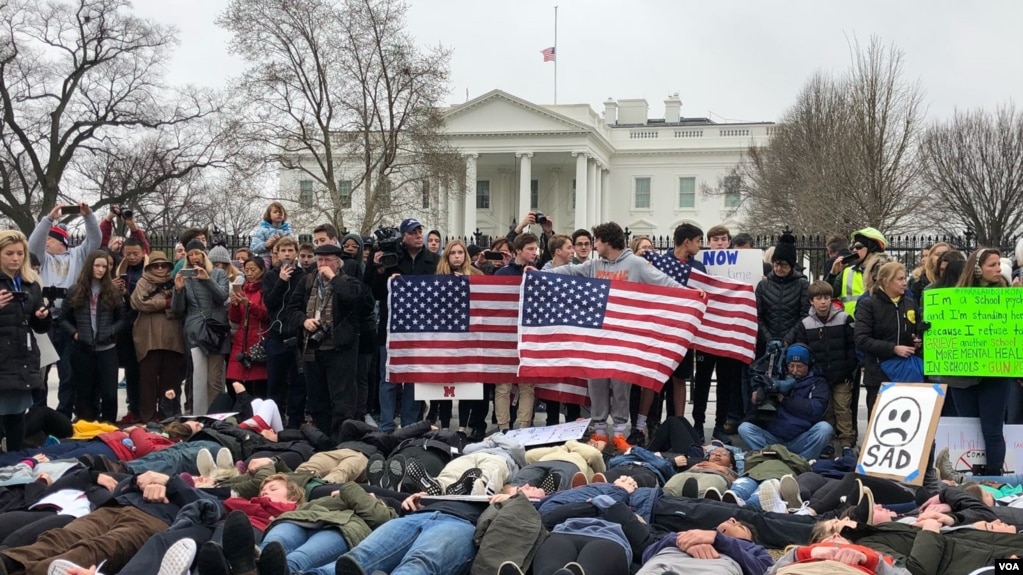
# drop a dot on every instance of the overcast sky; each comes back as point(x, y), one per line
point(735, 60)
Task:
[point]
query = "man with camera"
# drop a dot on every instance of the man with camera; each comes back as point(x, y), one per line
point(61, 265)
point(280, 285)
point(411, 259)
point(547, 232)
point(116, 243)
point(332, 308)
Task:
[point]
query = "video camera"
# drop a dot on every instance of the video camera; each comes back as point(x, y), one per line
point(389, 244)
point(768, 375)
point(123, 213)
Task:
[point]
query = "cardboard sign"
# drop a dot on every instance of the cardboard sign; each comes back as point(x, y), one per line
point(901, 431)
point(742, 265)
point(435, 391)
point(551, 434)
point(974, 331)
point(962, 437)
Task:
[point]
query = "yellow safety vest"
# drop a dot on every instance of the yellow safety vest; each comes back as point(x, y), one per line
point(852, 289)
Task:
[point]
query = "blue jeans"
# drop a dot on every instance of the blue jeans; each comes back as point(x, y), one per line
point(807, 445)
point(410, 408)
point(424, 543)
point(309, 550)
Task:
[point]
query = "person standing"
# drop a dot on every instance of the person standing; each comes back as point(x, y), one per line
point(279, 285)
point(159, 343)
point(249, 312)
point(21, 313)
point(93, 315)
point(130, 269)
point(527, 253)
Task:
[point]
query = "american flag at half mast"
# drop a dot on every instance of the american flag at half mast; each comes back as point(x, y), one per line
point(461, 329)
point(549, 54)
point(729, 327)
point(591, 328)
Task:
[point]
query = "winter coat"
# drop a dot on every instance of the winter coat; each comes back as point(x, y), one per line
point(353, 512)
point(801, 408)
point(507, 531)
point(109, 323)
point(277, 295)
point(781, 303)
point(263, 232)
point(831, 342)
point(774, 462)
point(156, 326)
point(252, 325)
point(19, 354)
point(424, 264)
point(202, 298)
point(882, 324)
point(137, 443)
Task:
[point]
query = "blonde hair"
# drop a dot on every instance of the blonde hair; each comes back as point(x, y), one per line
point(11, 237)
point(634, 244)
point(205, 260)
point(885, 274)
point(467, 269)
point(271, 206)
point(294, 490)
point(931, 263)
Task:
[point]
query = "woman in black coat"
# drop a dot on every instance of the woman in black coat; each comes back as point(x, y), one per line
point(783, 297)
point(93, 314)
point(21, 312)
point(886, 326)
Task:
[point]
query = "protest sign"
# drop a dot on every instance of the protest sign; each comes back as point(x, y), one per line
point(901, 431)
point(436, 391)
point(973, 332)
point(742, 265)
point(550, 434)
point(965, 443)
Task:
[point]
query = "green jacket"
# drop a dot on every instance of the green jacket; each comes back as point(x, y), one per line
point(507, 531)
point(247, 485)
point(927, 553)
point(352, 511)
point(774, 462)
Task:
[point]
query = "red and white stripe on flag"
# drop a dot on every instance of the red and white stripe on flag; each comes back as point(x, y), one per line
point(729, 327)
point(549, 54)
point(643, 332)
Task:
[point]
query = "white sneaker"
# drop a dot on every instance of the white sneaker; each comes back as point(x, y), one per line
point(804, 509)
point(788, 488)
point(63, 567)
point(178, 558)
point(370, 421)
point(224, 459)
point(770, 497)
point(204, 462)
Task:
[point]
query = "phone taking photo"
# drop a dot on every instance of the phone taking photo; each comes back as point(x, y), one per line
point(188, 272)
point(70, 210)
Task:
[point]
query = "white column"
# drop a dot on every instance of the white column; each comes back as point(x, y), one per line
point(598, 199)
point(591, 193)
point(580, 191)
point(470, 196)
point(605, 194)
point(525, 182)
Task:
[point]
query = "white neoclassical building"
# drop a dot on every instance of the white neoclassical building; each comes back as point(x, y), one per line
point(581, 168)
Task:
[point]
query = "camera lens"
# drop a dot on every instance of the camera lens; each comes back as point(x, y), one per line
point(126, 214)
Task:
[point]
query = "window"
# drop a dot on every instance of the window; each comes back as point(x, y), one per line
point(573, 194)
point(482, 194)
point(344, 193)
point(425, 192)
point(384, 193)
point(687, 193)
point(733, 197)
point(642, 197)
point(534, 194)
point(305, 193)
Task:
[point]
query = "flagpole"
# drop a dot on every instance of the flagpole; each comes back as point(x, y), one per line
point(555, 55)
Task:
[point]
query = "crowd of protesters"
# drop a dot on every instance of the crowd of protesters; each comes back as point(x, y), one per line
point(262, 435)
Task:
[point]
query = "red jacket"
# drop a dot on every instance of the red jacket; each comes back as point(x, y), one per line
point(258, 326)
point(107, 229)
point(130, 446)
point(261, 511)
point(870, 567)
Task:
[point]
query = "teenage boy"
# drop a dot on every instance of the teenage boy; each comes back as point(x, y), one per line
point(828, 331)
point(583, 242)
point(561, 250)
point(527, 252)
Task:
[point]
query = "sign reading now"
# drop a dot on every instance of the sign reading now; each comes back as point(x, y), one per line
point(742, 265)
point(974, 332)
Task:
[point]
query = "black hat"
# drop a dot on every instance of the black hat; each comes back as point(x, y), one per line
point(328, 250)
point(195, 245)
point(785, 252)
point(474, 250)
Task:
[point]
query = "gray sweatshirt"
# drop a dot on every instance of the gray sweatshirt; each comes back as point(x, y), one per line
point(627, 266)
point(62, 270)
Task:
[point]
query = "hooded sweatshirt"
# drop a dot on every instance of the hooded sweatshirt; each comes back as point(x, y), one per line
point(62, 270)
point(627, 267)
point(358, 256)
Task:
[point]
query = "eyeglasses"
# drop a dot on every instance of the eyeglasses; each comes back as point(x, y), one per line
point(162, 266)
point(582, 244)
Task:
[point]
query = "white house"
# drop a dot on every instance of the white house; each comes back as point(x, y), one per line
point(581, 169)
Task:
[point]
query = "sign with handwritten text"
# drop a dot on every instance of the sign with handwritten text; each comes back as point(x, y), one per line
point(741, 265)
point(965, 443)
point(974, 332)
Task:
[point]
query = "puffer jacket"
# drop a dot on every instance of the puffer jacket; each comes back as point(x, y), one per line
point(19, 354)
point(801, 408)
point(109, 323)
point(507, 531)
point(831, 344)
point(201, 298)
point(353, 512)
point(882, 324)
point(781, 303)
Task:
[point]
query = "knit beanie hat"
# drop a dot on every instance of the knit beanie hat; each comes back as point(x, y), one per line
point(195, 245)
point(60, 234)
point(220, 255)
point(785, 251)
point(798, 353)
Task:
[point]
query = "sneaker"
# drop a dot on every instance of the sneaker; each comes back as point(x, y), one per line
point(345, 565)
point(804, 509)
point(770, 498)
point(464, 484)
point(540, 407)
point(225, 460)
point(273, 560)
point(204, 462)
point(370, 421)
point(178, 558)
point(620, 443)
point(50, 440)
point(943, 464)
point(848, 452)
point(574, 568)
point(638, 437)
point(509, 568)
point(691, 488)
point(828, 452)
point(549, 484)
point(376, 471)
point(579, 479)
point(863, 512)
point(417, 477)
point(239, 543)
point(211, 560)
point(598, 477)
point(720, 435)
point(128, 419)
point(733, 498)
point(712, 493)
point(789, 490)
point(62, 567)
point(395, 472)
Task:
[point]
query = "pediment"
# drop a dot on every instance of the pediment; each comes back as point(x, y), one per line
point(500, 112)
point(642, 225)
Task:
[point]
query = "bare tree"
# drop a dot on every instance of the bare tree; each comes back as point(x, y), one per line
point(842, 157)
point(973, 165)
point(340, 96)
point(83, 78)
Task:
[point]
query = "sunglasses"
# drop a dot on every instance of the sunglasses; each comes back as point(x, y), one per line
point(859, 246)
point(162, 266)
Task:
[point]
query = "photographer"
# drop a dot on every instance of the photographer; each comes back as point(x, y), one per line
point(333, 309)
point(106, 228)
point(547, 232)
point(159, 342)
point(128, 273)
point(248, 311)
point(61, 266)
point(411, 259)
point(280, 284)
